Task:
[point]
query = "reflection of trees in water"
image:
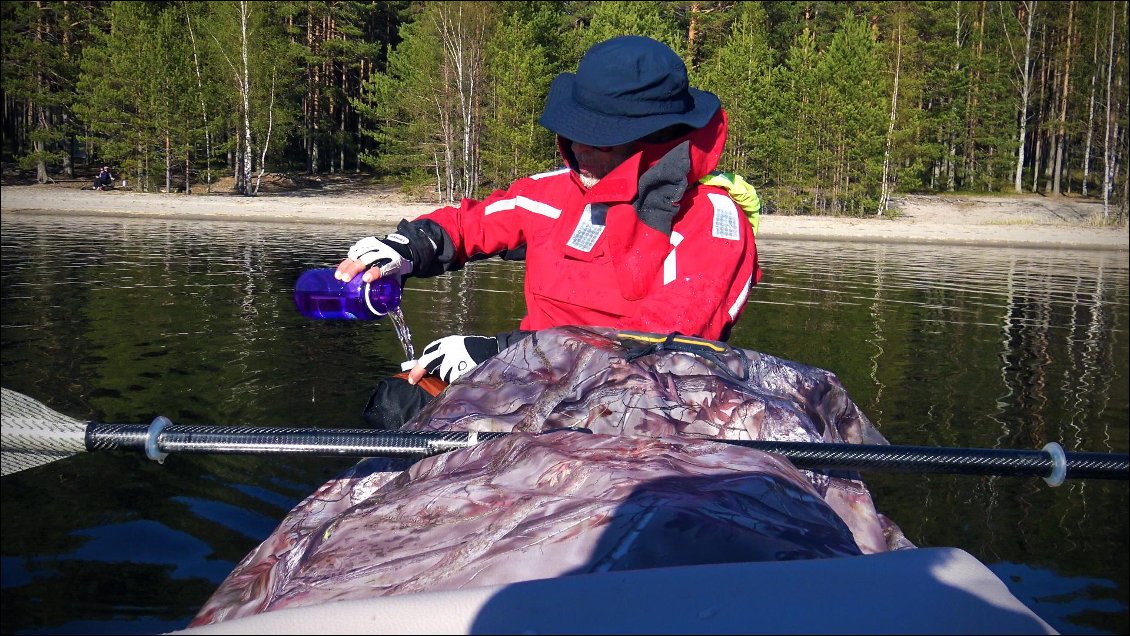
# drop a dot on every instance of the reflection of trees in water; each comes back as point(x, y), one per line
point(876, 338)
point(997, 348)
point(1057, 357)
point(947, 346)
point(1093, 384)
point(1057, 362)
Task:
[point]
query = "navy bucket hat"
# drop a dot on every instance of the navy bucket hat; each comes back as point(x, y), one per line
point(625, 88)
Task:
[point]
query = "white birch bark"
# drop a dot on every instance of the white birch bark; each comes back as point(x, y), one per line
point(1060, 136)
point(1108, 149)
point(267, 137)
point(462, 38)
point(244, 15)
point(1026, 85)
point(1091, 111)
point(203, 109)
point(241, 162)
point(885, 197)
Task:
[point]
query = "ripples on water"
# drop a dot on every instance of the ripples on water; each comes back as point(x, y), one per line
point(122, 320)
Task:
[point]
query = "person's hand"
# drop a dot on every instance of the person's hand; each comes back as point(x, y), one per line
point(387, 257)
point(453, 356)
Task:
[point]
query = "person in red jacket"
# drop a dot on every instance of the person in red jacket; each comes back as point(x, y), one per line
point(623, 235)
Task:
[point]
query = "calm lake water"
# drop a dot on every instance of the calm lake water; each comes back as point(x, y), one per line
point(121, 320)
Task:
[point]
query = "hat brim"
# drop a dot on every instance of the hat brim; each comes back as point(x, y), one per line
point(569, 119)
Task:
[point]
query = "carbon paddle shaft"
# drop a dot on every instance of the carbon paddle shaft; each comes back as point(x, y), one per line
point(242, 440)
point(161, 437)
point(958, 461)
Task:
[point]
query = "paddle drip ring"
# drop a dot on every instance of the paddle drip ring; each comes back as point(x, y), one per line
point(151, 451)
point(1059, 464)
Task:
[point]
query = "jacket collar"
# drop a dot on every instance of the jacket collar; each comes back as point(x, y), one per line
point(622, 184)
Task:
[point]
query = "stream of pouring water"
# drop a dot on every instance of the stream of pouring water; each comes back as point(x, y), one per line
point(403, 333)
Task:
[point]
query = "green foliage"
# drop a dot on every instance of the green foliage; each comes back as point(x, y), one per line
point(331, 42)
point(852, 95)
point(402, 105)
point(114, 94)
point(271, 74)
point(448, 94)
point(799, 87)
point(742, 74)
point(519, 70)
point(42, 43)
point(652, 19)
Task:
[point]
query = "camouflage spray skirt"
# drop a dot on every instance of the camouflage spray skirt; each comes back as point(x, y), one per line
point(645, 488)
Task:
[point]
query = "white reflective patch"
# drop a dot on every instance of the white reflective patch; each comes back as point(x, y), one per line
point(725, 217)
point(586, 234)
point(741, 299)
point(537, 207)
point(542, 175)
point(669, 262)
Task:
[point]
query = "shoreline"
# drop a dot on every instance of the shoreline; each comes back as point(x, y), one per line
point(1005, 221)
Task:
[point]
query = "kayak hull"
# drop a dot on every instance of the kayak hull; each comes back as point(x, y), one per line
point(927, 590)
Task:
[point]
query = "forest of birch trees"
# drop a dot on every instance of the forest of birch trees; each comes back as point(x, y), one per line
point(834, 107)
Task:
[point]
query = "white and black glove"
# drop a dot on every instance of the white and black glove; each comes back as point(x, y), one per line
point(412, 249)
point(391, 255)
point(453, 356)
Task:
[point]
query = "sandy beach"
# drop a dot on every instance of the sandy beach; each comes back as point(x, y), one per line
point(1031, 220)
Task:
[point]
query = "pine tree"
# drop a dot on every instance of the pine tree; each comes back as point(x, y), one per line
point(336, 49)
point(519, 68)
point(851, 94)
point(425, 110)
point(799, 190)
point(42, 44)
point(656, 20)
point(115, 98)
point(741, 73)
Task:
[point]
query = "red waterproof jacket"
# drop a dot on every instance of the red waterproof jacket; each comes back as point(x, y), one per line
point(605, 256)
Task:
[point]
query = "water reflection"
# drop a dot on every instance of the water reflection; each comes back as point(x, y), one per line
point(122, 320)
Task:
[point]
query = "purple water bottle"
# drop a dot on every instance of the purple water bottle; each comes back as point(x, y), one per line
point(320, 296)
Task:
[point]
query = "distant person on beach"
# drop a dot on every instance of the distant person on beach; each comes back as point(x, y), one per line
point(104, 179)
point(627, 234)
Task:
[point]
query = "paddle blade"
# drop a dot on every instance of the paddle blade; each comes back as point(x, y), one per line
point(32, 434)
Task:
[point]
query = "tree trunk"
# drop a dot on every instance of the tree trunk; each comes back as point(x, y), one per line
point(203, 110)
point(1038, 124)
point(308, 100)
point(315, 121)
point(1026, 78)
point(244, 13)
point(1108, 149)
point(1091, 110)
point(40, 146)
point(973, 98)
point(267, 137)
point(168, 162)
point(884, 198)
point(463, 37)
point(692, 35)
point(1060, 130)
point(68, 156)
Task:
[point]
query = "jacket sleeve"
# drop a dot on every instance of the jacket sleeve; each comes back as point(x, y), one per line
point(704, 282)
point(495, 225)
